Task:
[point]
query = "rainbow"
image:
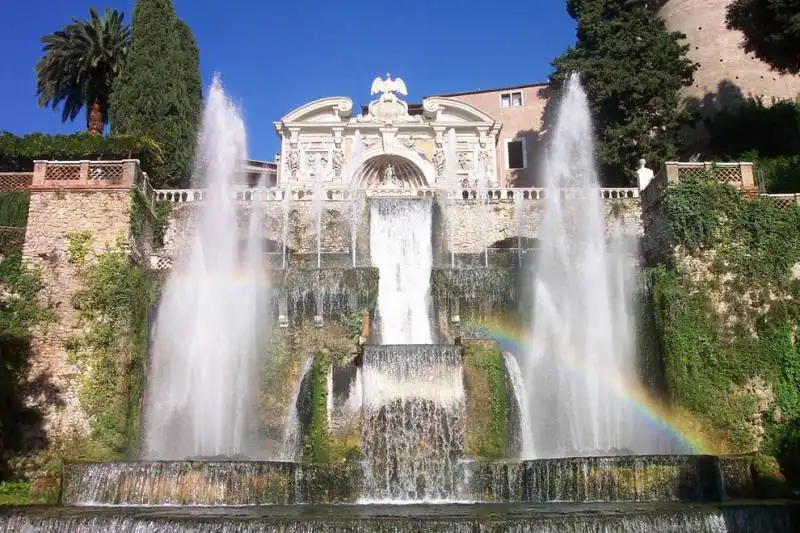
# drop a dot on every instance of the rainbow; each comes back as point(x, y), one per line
point(517, 340)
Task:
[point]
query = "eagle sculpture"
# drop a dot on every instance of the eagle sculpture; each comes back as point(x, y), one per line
point(388, 85)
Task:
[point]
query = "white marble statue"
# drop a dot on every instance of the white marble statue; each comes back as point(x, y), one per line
point(645, 175)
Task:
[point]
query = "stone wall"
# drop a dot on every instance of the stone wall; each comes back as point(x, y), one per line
point(475, 226)
point(54, 216)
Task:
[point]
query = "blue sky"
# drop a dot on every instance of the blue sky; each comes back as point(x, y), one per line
point(277, 55)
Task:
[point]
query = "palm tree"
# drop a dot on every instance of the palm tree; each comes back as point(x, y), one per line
point(79, 65)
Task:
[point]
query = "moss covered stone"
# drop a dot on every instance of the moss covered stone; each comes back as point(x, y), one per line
point(485, 436)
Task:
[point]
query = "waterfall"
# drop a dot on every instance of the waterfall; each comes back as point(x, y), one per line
point(413, 421)
point(401, 247)
point(517, 382)
point(292, 432)
point(583, 360)
point(209, 340)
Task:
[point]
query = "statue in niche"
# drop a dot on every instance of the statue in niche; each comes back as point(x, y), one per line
point(388, 178)
point(483, 160)
point(293, 162)
point(439, 160)
point(338, 162)
point(465, 161)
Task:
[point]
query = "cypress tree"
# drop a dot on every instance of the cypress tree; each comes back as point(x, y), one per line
point(633, 69)
point(159, 93)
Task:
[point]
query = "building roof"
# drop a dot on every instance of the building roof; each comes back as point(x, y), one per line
point(496, 89)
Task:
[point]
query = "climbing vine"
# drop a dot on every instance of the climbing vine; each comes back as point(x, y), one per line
point(114, 305)
point(727, 312)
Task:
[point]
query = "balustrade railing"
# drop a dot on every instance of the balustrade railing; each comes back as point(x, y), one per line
point(345, 194)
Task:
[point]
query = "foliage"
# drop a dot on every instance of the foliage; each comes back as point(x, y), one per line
point(14, 492)
point(13, 214)
point(114, 306)
point(314, 409)
point(163, 215)
point(20, 313)
point(78, 244)
point(771, 31)
point(14, 208)
point(80, 64)
point(159, 92)
point(730, 294)
point(767, 135)
point(632, 69)
point(485, 437)
point(17, 154)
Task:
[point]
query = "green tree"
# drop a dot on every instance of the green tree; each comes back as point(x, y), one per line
point(80, 64)
point(771, 31)
point(633, 69)
point(159, 92)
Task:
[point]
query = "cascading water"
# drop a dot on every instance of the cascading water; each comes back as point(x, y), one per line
point(518, 383)
point(582, 358)
point(413, 416)
point(292, 431)
point(208, 341)
point(401, 247)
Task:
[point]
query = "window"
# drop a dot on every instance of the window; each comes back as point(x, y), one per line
point(511, 99)
point(515, 154)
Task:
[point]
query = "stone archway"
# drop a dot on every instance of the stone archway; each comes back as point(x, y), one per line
point(390, 171)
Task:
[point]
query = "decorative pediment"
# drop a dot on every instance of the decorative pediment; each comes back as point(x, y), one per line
point(324, 110)
point(448, 110)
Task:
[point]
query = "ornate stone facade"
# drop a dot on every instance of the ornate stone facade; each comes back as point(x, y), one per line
point(401, 143)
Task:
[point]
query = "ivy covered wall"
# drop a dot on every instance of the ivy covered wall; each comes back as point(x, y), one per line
point(727, 312)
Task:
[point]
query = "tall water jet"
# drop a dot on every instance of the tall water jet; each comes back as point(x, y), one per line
point(401, 246)
point(286, 207)
point(208, 337)
point(451, 171)
point(356, 196)
point(317, 206)
point(582, 360)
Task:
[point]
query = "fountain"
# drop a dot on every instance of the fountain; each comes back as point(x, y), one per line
point(208, 338)
point(583, 358)
point(460, 433)
point(451, 171)
point(356, 200)
point(317, 208)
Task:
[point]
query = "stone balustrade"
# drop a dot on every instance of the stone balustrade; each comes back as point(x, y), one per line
point(345, 194)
